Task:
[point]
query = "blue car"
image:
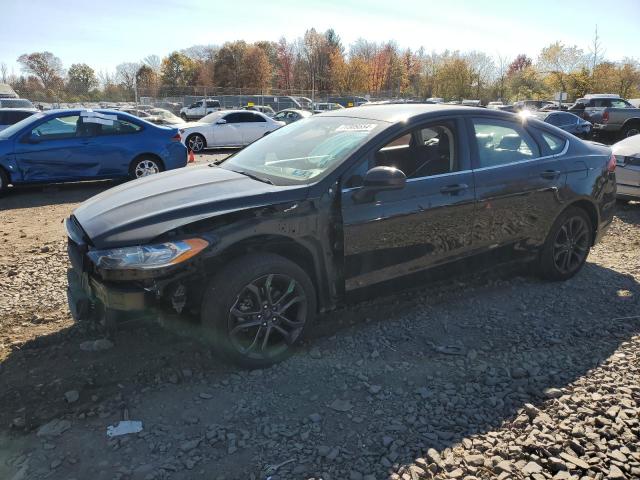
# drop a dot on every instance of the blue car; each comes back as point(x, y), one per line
point(71, 145)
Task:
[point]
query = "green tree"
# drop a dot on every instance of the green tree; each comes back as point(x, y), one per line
point(81, 78)
point(178, 70)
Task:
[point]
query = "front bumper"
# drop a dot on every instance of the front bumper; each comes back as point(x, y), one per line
point(84, 287)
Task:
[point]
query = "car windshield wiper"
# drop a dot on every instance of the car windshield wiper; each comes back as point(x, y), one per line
point(255, 177)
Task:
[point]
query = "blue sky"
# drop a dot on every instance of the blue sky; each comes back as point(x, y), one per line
point(105, 33)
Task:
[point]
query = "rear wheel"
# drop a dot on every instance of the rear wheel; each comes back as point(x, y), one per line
point(145, 166)
point(258, 308)
point(567, 245)
point(630, 130)
point(196, 142)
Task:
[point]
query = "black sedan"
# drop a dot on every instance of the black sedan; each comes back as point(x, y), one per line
point(329, 205)
point(566, 121)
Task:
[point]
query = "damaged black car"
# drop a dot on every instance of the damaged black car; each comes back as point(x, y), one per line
point(336, 203)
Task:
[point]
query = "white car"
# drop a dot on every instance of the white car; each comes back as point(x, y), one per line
point(229, 128)
point(627, 154)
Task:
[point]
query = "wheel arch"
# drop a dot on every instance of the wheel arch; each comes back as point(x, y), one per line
point(590, 209)
point(285, 247)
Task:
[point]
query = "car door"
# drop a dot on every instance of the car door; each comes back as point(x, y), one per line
point(426, 223)
point(56, 149)
point(254, 126)
point(518, 182)
point(229, 133)
point(115, 143)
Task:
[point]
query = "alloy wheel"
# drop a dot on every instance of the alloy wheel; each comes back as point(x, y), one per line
point(571, 245)
point(196, 143)
point(145, 168)
point(267, 317)
point(633, 131)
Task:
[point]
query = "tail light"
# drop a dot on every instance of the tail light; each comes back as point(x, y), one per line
point(611, 166)
point(605, 116)
point(176, 138)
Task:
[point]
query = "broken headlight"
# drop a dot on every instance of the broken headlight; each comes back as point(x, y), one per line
point(145, 257)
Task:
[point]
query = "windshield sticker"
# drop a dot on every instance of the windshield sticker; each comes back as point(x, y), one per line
point(357, 127)
point(301, 173)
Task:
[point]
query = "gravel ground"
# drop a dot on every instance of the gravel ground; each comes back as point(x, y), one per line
point(491, 375)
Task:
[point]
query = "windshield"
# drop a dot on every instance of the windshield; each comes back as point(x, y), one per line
point(16, 127)
point(304, 151)
point(212, 117)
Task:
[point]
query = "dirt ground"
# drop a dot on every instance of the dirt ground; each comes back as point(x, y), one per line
point(490, 375)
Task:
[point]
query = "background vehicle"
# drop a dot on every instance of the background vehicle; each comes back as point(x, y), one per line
point(7, 92)
point(323, 208)
point(9, 116)
point(495, 105)
point(140, 113)
point(15, 103)
point(228, 128)
point(291, 115)
point(160, 116)
point(566, 121)
point(627, 154)
point(266, 109)
point(70, 145)
point(326, 106)
point(616, 122)
point(199, 109)
point(531, 104)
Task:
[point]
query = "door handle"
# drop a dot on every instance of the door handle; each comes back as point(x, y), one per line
point(453, 189)
point(550, 174)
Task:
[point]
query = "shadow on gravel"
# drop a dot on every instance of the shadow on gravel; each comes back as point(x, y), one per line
point(384, 380)
point(30, 196)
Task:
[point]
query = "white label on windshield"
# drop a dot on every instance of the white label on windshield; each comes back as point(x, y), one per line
point(357, 127)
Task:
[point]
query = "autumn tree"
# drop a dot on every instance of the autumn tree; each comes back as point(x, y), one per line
point(558, 61)
point(257, 69)
point(45, 66)
point(126, 75)
point(229, 64)
point(285, 62)
point(147, 80)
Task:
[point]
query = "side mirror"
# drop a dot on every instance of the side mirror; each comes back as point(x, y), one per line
point(222, 121)
point(378, 179)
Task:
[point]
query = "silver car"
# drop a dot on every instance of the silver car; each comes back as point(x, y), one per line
point(627, 154)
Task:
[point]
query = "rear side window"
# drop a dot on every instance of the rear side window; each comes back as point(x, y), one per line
point(619, 103)
point(213, 104)
point(500, 142)
point(119, 127)
point(555, 143)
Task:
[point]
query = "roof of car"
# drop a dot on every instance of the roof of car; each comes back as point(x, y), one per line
point(404, 111)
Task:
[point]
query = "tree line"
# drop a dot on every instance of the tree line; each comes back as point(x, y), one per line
point(320, 62)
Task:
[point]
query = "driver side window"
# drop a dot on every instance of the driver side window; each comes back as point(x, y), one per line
point(422, 152)
point(58, 128)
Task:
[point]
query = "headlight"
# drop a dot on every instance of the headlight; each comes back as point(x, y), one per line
point(144, 257)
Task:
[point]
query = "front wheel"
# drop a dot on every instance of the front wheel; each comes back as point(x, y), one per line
point(630, 130)
point(567, 245)
point(184, 117)
point(258, 308)
point(145, 166)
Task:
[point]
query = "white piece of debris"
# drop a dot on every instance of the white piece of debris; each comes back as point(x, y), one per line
point(124, 427)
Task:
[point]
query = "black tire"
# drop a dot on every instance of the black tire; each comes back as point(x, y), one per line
point(145, 165)
point(196, 143)
point(567, 245)
point(242, 287)
point(630, 130)
point(4, 181)
point(184, 117)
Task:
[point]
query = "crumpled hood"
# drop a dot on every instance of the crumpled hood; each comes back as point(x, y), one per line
point(629, 147)
point(139, 211)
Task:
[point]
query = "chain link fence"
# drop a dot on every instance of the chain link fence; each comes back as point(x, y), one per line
point(175, 98)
